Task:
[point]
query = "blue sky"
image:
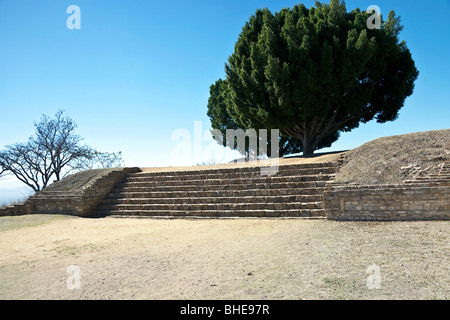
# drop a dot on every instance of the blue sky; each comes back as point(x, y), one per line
point(137, 70)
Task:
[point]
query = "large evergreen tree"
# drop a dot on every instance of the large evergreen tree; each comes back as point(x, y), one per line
point(219, 113)
point(313, 73)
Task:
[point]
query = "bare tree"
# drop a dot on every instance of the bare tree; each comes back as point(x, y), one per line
point(27, 164)
point(97, 160)
point(56, 150)
point(107, 159)
point(56, 137)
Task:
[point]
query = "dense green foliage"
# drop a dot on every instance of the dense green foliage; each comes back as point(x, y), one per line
point(313, 73)
point(221, 120)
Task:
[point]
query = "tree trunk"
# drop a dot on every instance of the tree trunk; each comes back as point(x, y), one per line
point(309, 145)
point(308, 149)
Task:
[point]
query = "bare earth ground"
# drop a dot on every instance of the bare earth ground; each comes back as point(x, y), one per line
point(221, 258)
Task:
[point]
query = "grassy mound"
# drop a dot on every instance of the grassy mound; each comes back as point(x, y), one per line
point(396, 158)
point(78, 180)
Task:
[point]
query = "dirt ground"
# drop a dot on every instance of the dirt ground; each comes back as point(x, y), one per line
point(250, 259)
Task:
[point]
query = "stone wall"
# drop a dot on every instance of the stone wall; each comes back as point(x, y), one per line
point(80, 202)
point(16, 210)
point(387, 202)
point(424, 198)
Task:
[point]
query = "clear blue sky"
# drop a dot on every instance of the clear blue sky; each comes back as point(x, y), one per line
point(139, 69)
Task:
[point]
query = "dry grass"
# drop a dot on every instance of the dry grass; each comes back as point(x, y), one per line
point(76, 181)
point(396, 158)
point(222, 259)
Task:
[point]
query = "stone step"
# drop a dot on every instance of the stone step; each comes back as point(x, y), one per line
point(440, 176)
point(13, 210)
point(222, 181)
point(295, 213)
point(217, 187)
point(231, 175)
point(241, 170)
point(146, 193)
point(433, 177)
point(213, 206)
point(294, 191)
point(202, 200)
point(429, 179)
point(430, 182)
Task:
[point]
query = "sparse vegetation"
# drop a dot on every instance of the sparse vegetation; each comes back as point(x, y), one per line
point(396, 158)
point(19, 222)
point(78, 180)
point(254, 259)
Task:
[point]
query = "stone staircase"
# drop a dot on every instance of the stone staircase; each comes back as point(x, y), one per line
point(442, 178)
point(295, 191)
